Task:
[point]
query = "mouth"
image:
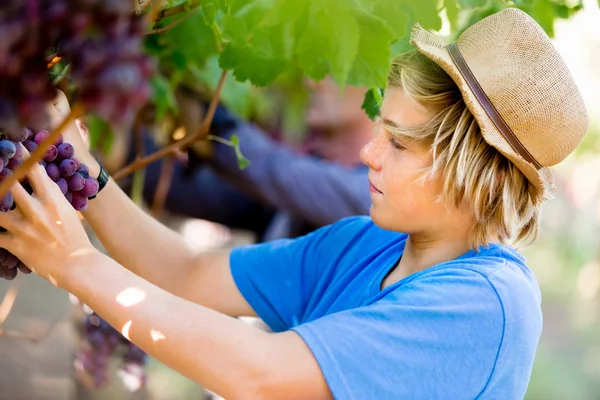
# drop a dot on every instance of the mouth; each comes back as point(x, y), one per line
point(373, 189)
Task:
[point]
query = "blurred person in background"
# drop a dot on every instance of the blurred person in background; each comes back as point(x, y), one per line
point(285, 192)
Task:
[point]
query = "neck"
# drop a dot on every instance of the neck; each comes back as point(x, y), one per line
point(342, 143)
point(426, 250)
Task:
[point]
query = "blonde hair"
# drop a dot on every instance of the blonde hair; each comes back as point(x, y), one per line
point(471, 171)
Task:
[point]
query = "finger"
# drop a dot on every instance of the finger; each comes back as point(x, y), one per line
point(10, 221)
point(41, 183)
point(25, 202)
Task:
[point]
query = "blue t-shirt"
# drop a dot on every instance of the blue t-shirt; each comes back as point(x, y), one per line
point(463, 329)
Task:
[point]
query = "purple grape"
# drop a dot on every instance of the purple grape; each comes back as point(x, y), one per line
point(30, 145)
point(69, 196)
point(8, 273)
point(62, 184)
point(67, 167)
point(51, 153)
point(14, 163)
point(23, 268)
point(17, 135)
point(4, 173)
point(1, 163)
point(76, 161)
point(3, 254)
point(30, 134)
point(52, 171)
point(41, 136)
point(90, 188)
point(65, 150)
point(19, 151)
point(10, 261)
point(79, 202)
point(76, 182)
point(84, 169)
point(6, 202)
point(7, 149)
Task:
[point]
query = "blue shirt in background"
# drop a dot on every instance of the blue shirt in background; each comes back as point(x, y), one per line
point(463, 329)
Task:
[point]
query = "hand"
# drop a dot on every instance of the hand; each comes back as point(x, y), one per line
point(76, 133)
point(44, 231)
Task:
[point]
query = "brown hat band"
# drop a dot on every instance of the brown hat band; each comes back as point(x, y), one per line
point(489, 108)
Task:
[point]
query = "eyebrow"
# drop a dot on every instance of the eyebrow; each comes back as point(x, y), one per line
point(393, 124)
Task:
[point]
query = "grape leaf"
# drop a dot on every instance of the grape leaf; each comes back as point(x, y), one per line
point(329, 43)
point(372, 103)
point(243, 162)
point(248, 64)
point(210, 9)
point(371, 64)
point(162, 96)
point(192, 39)
point(472, 3)
point(451, 7)
point(396, 17)
point(101, 133)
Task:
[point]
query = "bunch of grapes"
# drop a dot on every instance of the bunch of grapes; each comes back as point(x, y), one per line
point(101, 39)
point(71, 176)
point(101, 342)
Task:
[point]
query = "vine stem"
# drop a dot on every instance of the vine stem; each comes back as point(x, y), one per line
point(39, 153)
point(154, 10)
point(180, 144)
point(172, 25)
point(177, 10)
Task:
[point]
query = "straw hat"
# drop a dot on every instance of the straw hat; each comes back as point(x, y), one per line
point(518, 88)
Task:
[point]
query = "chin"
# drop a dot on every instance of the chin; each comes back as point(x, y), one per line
point(384, 220)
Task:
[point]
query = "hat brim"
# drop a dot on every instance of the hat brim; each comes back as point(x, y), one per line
point(434, 48)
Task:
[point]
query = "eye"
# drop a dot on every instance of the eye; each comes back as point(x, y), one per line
point(396, 144)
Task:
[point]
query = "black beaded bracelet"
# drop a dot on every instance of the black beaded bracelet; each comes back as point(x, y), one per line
point(102, 179)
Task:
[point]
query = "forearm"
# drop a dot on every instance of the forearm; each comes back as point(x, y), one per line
point(218, 352)
point(135, 239)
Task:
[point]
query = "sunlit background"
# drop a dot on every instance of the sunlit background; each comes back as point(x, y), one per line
point(566, 260)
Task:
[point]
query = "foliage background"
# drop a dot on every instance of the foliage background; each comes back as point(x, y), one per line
point(566, 258)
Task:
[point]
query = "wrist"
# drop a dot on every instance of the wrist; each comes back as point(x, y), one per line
point(77, 268)
point(92, 164)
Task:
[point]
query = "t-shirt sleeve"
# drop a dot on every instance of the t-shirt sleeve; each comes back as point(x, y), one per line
point(277, 278)
point(433, 338)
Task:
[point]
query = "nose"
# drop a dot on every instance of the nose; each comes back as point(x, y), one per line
point(371, 153)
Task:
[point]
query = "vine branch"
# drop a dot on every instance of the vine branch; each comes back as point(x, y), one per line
point(180, 144)
point(170, 26)
point(39, 153)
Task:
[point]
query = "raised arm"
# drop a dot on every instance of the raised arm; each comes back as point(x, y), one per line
point(319, 191)
point(151, 250)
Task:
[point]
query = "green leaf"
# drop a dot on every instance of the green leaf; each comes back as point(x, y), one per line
point(248, 64)
point(372, 103)
point(371, 64)
point(237, 96)
point(101, 133)
point(472, 3)
point(192, 39)
point(243, 162)
point(210, 9)
point(162, 96)
point(330, 41)
point(396, 17)
point(451, 7)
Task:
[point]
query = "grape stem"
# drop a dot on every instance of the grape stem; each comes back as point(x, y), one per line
point(39, 153)
point(185, 7)
point(162, 189)
point(9, 299)
point(180, 144)
point(170, 26)
point(154, 10)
